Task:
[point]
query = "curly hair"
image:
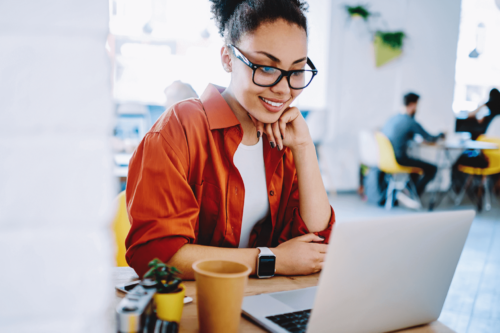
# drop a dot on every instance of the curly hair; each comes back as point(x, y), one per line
point(235, 18)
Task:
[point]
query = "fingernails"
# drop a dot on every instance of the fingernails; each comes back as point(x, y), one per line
point(281, 136)
point(258, 134)
point(278, 147)
point(323, 238)
point(272, 145)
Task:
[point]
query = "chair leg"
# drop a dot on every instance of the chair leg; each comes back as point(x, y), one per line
point(460, 196)
point(390, 195)
point(487, 198)
point(413, 191)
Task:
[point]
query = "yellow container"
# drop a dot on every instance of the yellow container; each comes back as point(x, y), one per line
point(383, 52)
point(220, 285)
point(169, 306)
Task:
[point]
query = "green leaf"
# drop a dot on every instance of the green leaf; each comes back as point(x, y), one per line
point(154, 262)
point(165, 276)
point(358, 10)
point(393, 39)
point(149, 273)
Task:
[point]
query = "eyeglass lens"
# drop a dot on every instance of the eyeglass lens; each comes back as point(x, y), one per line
point(267, 76)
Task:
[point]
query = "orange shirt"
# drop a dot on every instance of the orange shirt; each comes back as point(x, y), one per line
point(183, 187)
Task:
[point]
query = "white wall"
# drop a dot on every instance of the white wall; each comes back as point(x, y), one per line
point(56, 187)
point(361, 96)
point(318, 21)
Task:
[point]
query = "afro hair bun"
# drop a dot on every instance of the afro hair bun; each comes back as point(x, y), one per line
point(223, 10)
point(256, 10)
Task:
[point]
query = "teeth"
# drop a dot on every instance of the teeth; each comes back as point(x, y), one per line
point(271, 103)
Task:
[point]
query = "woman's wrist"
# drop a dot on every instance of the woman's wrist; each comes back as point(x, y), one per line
point(278, 267)
point(301, 148)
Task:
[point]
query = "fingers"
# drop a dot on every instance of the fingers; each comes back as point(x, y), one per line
point(321, 239)
point(260, 129)
point(290, 115)
point(320, 259)
point(270, 135)
point(318, 263)
point(308, 238)
point(282, 125)
point(277, 135)
point(321, 248)
point(258, 125)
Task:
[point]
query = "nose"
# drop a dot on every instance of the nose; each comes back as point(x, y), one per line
point(282, 87)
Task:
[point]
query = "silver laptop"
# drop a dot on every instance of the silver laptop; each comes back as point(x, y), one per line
point(379, 275)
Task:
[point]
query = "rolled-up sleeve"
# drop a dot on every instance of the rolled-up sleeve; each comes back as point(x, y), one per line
point(297, 227)
point(162, 219)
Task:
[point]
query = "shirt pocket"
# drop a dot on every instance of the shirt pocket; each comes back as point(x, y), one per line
point(208, 197)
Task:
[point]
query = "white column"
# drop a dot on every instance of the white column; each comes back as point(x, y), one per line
point(56, 186)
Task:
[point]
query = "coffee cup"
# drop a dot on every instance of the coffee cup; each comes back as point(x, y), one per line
point(220, 285)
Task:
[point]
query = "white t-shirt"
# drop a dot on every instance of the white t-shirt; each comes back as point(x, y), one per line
point(250, 163)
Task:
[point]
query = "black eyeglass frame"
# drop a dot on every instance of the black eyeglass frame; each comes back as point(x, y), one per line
point(238, 54)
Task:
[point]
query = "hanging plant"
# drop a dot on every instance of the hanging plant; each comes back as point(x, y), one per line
point(392, 39)
point(358, 11)
point(388, 46)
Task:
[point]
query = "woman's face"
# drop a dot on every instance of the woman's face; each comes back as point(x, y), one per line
point(277, 44)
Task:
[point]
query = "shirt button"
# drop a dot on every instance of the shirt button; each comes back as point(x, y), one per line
point(271, 193)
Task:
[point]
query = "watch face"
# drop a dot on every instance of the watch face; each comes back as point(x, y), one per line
point(266, 265)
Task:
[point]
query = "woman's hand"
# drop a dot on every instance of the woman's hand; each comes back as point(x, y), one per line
point(290, 130)
point(300, 255)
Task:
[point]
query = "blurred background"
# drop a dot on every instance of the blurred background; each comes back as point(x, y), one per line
point(81, 82)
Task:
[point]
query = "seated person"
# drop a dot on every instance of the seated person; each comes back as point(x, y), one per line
point(402, 128)
point(219, 176)
point(493, 105)
point(474, 157)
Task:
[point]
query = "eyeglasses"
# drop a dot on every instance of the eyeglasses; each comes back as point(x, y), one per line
point(268, 76)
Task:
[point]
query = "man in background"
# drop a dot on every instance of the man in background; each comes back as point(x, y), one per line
point(402, 128)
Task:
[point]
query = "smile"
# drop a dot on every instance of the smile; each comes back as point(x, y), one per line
point(275, 104)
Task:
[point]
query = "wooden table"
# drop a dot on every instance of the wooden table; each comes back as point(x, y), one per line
point(189, 322)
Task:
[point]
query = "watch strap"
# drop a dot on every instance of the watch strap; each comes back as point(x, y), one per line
point(266, 251)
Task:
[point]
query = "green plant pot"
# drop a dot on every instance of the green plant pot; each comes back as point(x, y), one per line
point(383, 52)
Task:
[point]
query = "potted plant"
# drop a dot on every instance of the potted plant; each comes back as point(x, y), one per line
point(358, 11)
point(388, 46)
point(169, 297)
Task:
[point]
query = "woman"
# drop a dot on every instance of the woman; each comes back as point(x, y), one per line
point(474, 157)
point(493, 105)
point(219, 176)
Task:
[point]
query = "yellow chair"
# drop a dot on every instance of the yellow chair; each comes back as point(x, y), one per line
point(493, 156)
point(121, 227)
point(399, 176)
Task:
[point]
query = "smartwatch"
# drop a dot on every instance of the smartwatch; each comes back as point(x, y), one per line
point(266, 263)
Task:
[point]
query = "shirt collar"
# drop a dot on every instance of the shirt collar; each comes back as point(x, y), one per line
point(219, 114)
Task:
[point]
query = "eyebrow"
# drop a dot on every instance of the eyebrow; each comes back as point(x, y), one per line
point(273, 58)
